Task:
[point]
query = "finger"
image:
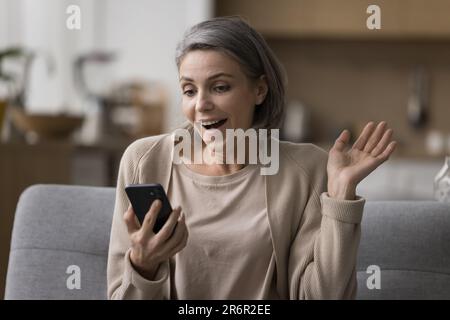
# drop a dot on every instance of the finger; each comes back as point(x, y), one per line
point(371, 163)
point(150, 219)
point(364, 136)
point(130, 220)
point(388, 151)
point(167, 229)
point(342, 140)
point(383, 143)
point(178, 234)
point(180, 246)
point(375, 137)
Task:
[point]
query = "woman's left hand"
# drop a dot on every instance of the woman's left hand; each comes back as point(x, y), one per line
point(346, 168)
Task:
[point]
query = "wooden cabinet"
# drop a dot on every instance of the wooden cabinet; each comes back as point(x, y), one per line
point(412, 19)
point(22, 165)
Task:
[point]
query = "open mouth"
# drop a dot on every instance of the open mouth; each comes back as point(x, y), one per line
point(213, 124)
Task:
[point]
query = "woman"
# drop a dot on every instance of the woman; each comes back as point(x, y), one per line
point(242, 235)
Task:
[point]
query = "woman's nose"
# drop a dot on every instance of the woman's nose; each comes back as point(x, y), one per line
point(203, 102)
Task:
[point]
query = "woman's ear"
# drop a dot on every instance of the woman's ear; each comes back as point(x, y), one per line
point(261, 89)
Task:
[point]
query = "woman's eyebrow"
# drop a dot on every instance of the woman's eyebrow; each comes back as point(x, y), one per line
point(220, 74)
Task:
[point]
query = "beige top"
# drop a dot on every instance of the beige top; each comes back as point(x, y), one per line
point(315, 238)
point(229, 254)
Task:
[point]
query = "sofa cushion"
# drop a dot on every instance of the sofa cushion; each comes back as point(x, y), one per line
point(56, 227)
point(410, 242)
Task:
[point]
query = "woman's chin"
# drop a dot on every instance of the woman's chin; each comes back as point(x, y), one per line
point(211, 135)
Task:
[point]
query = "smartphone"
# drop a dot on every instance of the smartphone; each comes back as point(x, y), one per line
point(142, 196)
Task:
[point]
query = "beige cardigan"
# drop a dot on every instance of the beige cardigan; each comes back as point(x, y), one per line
point(315, 238)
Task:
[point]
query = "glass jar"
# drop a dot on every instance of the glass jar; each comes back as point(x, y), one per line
point(442, 183)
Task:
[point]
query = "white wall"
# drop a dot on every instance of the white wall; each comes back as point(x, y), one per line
point(40, 25)
point(145, 36)
point(9, 30)
point(143, 32)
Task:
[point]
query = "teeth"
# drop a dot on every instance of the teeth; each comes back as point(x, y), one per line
point(207, 123)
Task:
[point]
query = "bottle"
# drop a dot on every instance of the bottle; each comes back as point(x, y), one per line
point(296, 126)
point(442, 183)
point(418, 99)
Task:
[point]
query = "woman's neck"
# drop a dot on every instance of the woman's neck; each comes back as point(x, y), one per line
point(216, 169)
point(217, 166)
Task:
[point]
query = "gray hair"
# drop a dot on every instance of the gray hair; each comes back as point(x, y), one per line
point(235, 37)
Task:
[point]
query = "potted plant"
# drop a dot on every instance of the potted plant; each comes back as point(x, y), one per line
point(6, 80)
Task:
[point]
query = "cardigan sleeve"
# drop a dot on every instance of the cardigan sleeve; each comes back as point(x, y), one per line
point(123, 281)
point(322, 261)
point(323, 253)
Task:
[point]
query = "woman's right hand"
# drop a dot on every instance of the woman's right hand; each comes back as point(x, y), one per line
point(149, 250)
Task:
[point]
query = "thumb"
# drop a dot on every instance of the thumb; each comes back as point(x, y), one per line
point(341, 141)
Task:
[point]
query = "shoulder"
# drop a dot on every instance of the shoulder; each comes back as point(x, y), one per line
point(307, 159)
point(305, 155)
point(140, 148)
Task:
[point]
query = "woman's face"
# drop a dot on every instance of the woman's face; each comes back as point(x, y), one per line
point(217, 95)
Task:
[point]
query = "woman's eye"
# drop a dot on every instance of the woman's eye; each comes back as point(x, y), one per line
point(189, 92)
point(221, 88)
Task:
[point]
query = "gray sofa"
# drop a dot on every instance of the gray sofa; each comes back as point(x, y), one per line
point(60, 226)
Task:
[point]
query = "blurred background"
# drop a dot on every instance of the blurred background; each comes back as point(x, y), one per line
point(71, 100)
